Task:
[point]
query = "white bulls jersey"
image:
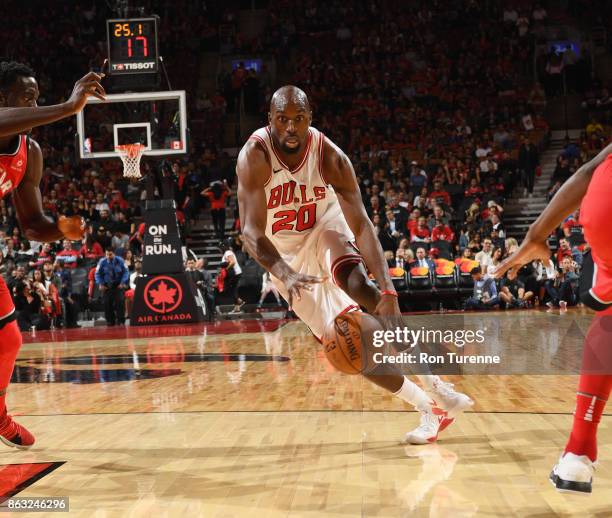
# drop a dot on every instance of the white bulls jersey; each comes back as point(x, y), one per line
point(299, 200)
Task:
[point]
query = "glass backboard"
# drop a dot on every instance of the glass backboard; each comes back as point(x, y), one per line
point(158, 120)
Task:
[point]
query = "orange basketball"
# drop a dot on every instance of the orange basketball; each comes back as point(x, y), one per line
point(344, 338)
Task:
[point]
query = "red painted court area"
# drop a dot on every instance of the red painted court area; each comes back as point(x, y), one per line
point(16, 477)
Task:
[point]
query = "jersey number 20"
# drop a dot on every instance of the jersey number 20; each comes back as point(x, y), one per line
point(299, 220)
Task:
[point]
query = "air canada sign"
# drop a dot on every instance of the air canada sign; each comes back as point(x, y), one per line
point(163, 294)
point(165, 299)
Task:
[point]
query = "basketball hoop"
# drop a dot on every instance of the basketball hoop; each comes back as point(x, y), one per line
point(130, 155)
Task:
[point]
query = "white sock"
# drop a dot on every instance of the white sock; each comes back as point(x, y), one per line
point(411, 393)
point(428, 380)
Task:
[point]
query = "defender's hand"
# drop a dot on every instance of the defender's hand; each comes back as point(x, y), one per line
point(88, 85)
point(72, 227)
point(527, 252)
point(295, 282)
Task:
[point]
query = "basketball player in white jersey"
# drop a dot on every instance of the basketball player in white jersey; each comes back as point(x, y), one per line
point(301, 211)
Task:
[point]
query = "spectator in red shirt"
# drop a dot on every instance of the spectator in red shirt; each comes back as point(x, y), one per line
point(474, 190)
point(572, 221)
point(68, 257)
point(217, 194)
point(492, 208)
point(117, 201)
point(45, 256)
point(91, 249)
point(439, 195)
point(421, 232)
point(564, 250)
point(442, 232)
point(413, 220)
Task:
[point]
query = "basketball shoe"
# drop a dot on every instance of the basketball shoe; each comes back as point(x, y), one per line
point(448, 399)
point(433, 421)
point(573, 473)
point(13, 434)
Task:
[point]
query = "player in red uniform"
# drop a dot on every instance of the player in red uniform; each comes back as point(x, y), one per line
point(21, 168)
point(590, 188)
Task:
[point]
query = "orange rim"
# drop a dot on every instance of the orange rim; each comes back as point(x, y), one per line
point(131, 150)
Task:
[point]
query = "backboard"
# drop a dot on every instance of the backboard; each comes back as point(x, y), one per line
point(158, 120)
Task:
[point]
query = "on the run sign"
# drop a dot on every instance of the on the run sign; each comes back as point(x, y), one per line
point(162, 245)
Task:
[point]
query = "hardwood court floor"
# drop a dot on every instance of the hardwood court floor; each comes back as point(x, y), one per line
point(243, 419)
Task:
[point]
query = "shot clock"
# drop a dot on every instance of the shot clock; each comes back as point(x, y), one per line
point(132, 45)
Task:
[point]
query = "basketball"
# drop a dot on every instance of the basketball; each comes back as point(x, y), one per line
point(73, 227)
point(344, 338)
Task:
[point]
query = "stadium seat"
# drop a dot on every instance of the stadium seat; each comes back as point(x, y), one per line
point(419, 279)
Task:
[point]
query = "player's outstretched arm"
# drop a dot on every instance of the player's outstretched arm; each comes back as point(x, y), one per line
point(20, 120)
point(566, 201)
point(28, 203)
point(338, 171)
point(253, 170)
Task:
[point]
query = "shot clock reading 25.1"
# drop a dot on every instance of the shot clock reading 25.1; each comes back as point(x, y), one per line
point(132, 45)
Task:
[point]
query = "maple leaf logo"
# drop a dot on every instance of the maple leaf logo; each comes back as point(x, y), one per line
point(162, 295)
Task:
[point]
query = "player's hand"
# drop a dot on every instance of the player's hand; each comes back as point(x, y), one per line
point(388, 306)
point(88, 85)
point(296, 282)
point(72, 227)
point(527, 252)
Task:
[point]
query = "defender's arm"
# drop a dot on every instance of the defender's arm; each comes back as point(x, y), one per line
point(28, 204)
point(20, 120)
point(567, 200)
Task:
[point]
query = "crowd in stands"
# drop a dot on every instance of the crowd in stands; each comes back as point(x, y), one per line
point(43, 276)
point(438, 154)
point(441, 119)
point(434, 102)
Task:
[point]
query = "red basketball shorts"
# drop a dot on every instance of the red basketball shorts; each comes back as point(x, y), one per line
point(596, 220)
point(7, 308)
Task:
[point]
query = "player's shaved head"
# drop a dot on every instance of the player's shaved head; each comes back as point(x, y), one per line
point(289, 94)
point(290, 118)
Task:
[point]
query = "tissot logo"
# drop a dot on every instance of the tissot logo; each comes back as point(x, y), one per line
point(134, 66)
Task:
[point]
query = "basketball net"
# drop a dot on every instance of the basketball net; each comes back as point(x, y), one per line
point(130, 155)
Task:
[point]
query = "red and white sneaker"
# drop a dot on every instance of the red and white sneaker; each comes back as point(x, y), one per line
point(13, 434)
point(433, 421)
point(448, 399)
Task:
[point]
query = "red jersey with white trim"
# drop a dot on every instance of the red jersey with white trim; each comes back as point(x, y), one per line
point(298, 199)
point(12, 169)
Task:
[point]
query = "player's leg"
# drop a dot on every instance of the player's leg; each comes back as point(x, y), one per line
point(275, 293)
point(574, 471)
point(352, 278)
point(120, 306)
point(337, 256)
point(109, 313)
point(325, 301)
point(11, 433)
